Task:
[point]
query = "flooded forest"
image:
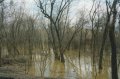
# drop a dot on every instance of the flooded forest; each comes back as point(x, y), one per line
point(59, 39)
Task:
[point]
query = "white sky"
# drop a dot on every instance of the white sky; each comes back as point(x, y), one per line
point(77, 5)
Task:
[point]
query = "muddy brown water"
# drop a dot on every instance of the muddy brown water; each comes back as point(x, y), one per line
point(73, 68)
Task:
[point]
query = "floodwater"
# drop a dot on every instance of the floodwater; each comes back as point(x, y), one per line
point(73, 68)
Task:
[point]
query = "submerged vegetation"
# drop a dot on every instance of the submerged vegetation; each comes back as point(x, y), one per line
point(57, 42)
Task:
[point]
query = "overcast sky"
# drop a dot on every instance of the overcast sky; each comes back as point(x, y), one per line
point(77, 5)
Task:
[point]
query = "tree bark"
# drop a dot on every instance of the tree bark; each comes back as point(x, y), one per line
point(0, 56)
point(62, 57)
point(113, 54)
point(113, 42)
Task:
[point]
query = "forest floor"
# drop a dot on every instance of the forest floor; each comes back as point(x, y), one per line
point(16, 72)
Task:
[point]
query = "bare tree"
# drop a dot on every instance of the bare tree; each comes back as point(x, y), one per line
point(1, 28)
point(110, 29)
point(55, 27)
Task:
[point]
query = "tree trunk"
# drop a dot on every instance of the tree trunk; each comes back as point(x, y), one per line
point(56, 56)
point(0, 57)
point(113, 42)
point(113, 54)
point(62, 57)
point(59, 56)
point(104, 38)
